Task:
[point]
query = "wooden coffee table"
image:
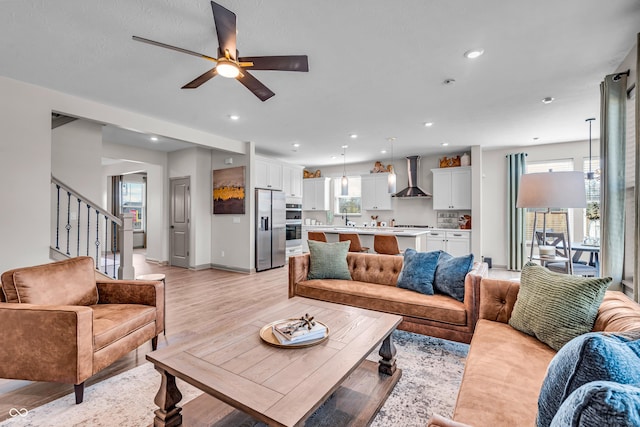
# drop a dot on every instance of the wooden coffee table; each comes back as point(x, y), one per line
point(246, 380)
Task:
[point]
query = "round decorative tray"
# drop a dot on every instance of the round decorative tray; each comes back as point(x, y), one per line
point(266, 333)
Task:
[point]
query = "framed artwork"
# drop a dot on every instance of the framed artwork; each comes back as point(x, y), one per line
point(228, 190)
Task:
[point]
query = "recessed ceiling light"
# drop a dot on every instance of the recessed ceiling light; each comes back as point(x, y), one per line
point(444, 144)
point(548, 100)
point(334, 157)
point(154, 138)
point(383, 151)
point(345, 146)
point(428, 124)
point(295, 144)
point(535, 138)
point(353, 135)
point(473, 53)
point(234, 117)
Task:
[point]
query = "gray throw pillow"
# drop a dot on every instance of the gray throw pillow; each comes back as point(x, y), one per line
point(418, 271)
point(595, 356)
point(556, 307)
point(451, 273)
point(328, 260)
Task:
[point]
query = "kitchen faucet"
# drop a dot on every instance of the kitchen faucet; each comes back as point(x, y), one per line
point(346, 219)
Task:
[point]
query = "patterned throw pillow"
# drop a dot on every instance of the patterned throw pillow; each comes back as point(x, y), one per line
point(556, 307)
point(328, 260)
point(451, 273)
point(600, 403)
point(418, 271)
point(595, 356)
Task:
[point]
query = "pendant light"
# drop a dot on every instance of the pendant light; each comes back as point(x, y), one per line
point(391, 179)
point(590, 174)
point(344, 184)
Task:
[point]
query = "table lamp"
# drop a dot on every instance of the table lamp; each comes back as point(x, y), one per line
point(552, 190)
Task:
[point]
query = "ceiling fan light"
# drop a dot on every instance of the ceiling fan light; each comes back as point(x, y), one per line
point(227, 69)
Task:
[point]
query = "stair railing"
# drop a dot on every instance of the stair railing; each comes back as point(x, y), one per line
point(82, 228)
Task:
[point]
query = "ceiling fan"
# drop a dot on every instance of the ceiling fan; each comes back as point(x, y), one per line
point(229, 64)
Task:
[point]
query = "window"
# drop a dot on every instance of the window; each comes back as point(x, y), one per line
point(350, 204)
point(555, 223)
point(592, 190)
point(133, 199)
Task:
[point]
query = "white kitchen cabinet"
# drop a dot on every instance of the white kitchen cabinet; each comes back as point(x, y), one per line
point(375, 192)
point(268, 174)
point(455, 242)
point(452, 188)
point(315, 194)
point(292, 180)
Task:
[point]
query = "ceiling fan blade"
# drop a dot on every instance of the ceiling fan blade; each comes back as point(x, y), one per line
point(281, 63)
point(198, 81)
point(225, 21)
point(177, 49)
point(255, 86)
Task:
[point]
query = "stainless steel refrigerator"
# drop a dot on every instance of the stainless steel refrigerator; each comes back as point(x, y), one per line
point(270, 229)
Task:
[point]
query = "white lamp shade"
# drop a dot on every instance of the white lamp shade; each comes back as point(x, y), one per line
point(344, 185)
point(391, 183)
point(552, 190)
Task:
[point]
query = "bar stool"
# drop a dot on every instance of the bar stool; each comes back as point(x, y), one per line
point(386, 244)
point(158, 277)
point(354, 238)
point(318, 236)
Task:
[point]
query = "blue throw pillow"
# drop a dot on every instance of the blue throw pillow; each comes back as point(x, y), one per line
point(418, 271)
point(450, 275)
point(590, 357)
point(600, 403)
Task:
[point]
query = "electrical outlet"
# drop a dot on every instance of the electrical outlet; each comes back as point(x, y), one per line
point(222, 254)
point(236, 220)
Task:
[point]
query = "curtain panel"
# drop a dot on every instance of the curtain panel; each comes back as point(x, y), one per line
point(516, 165)
point(613, 92)
point(636, 264)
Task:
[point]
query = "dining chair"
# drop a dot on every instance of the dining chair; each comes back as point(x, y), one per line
point(318, 236)
point(354, 238)
point(386, 244)
point(557, 240)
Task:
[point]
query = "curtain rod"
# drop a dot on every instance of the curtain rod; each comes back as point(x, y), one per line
point(616, 76)
point(525, 154)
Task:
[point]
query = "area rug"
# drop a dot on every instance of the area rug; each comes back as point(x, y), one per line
point(431, 374)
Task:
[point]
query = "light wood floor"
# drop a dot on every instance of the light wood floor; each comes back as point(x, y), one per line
point(195, 300)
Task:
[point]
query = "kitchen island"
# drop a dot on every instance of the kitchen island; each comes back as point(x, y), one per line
point(415, 238)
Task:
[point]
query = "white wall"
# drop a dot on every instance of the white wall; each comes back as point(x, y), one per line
point(233, 235)
point(75, 157)
point(25, 171)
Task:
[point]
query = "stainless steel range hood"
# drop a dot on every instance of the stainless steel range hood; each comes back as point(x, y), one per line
point(412, 190)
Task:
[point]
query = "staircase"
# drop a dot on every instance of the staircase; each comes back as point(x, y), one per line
point(83, 228)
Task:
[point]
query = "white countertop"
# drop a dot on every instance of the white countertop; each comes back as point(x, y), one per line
point(400, 232)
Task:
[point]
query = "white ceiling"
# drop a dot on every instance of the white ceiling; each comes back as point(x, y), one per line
point(376, 68)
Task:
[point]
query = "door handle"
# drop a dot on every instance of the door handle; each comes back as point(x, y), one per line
point(172, 226)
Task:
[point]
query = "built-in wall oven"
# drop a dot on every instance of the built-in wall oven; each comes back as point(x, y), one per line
point(294, 225)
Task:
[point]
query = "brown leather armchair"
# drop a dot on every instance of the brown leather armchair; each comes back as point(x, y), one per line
point(61, 323)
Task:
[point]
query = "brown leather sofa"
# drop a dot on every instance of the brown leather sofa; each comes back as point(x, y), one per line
point(374, 287)
point(505, 368)
point(62, 324)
